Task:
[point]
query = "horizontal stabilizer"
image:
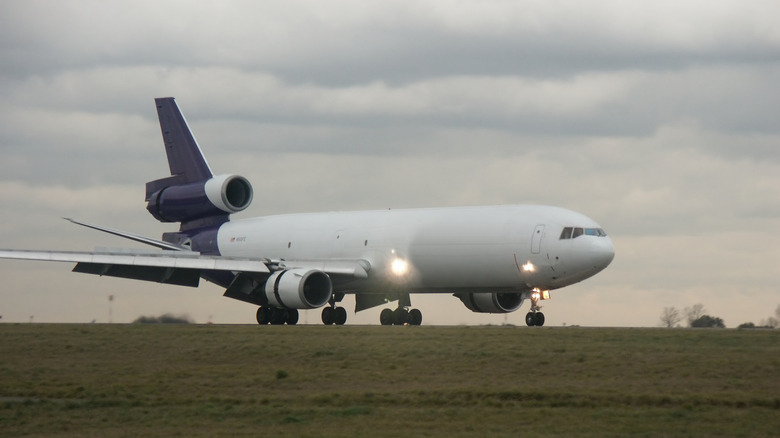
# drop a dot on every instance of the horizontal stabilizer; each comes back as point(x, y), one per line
point(145, 240)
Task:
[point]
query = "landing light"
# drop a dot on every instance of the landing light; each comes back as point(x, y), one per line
point(399, 267)
point(529, 267)
point(538, 294)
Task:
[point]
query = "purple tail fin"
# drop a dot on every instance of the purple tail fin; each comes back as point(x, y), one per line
point(185, 158)
point(192, 195)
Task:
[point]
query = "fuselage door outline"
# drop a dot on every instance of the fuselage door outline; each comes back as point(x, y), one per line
point(536, 239)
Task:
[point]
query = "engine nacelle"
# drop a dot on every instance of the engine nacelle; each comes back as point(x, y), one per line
point(220, 195)
point(298, 289)
point(486, 302)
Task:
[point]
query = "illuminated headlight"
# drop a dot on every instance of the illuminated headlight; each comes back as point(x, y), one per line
point(529, 267)
point(399, 267)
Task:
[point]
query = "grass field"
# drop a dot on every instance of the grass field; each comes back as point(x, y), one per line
point(200, 380)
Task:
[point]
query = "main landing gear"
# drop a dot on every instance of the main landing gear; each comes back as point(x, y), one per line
point(400, 316)
point(276, 316)
point(334, 315)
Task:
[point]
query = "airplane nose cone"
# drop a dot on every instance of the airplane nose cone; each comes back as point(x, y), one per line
point(603, 251)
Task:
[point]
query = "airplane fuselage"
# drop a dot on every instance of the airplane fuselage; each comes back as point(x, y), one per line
point(509, 248)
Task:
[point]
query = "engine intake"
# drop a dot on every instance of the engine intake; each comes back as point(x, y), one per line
point(298, 289)
point(220, 195)
point(486, 302)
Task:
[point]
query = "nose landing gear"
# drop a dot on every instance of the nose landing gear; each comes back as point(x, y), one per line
point(535, 317)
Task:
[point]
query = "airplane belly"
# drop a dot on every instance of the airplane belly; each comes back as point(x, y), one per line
point(463, 266)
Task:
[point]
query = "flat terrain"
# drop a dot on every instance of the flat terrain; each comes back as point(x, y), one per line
point(200, 380)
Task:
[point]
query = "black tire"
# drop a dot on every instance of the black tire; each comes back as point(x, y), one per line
point(530, 319)
point(386, 317)
point(400, 316)
point(278, 316)
point(339, 316)
point(415, 317)
point(263, 315)
point(327, 316)
point(292, 317)
point(539, 319)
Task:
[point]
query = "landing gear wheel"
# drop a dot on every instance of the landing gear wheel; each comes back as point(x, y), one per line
point(263, 315)
point(386, 317)
point(339, 315)
point(415, 317)
point(400, 316)
point(534, 319)
point(328, 316)
point(278, 316)
point(292, 317)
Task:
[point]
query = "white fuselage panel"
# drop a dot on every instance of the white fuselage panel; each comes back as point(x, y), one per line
point(441, 249)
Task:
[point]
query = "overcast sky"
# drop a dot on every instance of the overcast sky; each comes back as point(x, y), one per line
point(660, 120)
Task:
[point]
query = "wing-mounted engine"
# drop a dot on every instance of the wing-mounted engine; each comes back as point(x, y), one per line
point(486, 302)
point(298, 289)
point(217, 196)
point(295, 288)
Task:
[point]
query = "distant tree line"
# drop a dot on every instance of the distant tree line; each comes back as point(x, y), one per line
point(697, 318)
point(771, 323)
point(164, 319)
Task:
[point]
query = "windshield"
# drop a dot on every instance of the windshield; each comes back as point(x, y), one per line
point(575, 232)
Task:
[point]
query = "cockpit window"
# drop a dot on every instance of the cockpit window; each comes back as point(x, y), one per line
point(574, 232)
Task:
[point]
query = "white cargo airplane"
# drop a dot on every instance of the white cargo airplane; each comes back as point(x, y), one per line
point(492, 258)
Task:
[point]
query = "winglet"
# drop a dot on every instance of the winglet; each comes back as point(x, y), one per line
point(185, 159)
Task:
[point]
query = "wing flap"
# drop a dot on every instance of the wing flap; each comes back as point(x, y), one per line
point(181, 277)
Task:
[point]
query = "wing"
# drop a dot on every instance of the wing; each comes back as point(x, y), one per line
point(174, 267)
point(182, 267)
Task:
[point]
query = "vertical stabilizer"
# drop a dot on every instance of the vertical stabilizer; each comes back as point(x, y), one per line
point(192, 195)
point(185, 159)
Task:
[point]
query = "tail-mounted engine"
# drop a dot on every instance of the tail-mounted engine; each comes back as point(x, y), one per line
point(486, 302)
point(218, 196)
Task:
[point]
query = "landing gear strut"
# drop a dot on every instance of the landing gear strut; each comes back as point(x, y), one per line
point(535, 317)
point(400, 316)
point(276, 316)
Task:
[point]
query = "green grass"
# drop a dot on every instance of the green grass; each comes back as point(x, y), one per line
point(159, 380)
